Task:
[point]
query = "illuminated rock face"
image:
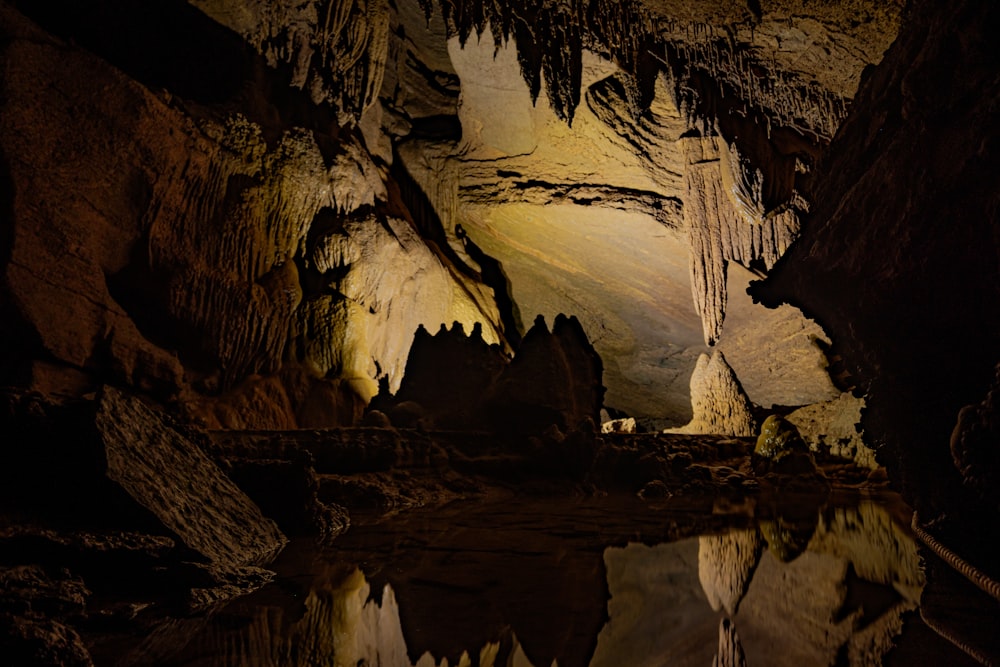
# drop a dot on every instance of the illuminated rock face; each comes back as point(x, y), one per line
point(600, 218)
point(258, 274)
point(719, 403)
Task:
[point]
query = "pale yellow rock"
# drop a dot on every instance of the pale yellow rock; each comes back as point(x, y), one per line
point(718, 401)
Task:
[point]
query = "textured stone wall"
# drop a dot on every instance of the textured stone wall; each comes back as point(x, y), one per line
point(898, 259)
point(255, 270)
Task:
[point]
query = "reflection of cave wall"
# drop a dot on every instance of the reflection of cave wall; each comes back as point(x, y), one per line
point(843, 598)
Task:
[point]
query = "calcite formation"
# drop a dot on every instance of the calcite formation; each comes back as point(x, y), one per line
point(218, 261)
point(726, 222)
point(674, 113)
point(336, 49)
point(719, 403)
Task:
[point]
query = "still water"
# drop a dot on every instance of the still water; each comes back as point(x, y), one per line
point(604, 582)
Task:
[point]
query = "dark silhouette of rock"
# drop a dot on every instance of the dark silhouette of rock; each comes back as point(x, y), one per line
point(455, 381)
point(975, 446)
point(446, 376)
point(555, 378)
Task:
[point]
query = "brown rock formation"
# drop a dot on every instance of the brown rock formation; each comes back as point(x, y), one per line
point(202, 251)
point(898, 259)
point(172, 478)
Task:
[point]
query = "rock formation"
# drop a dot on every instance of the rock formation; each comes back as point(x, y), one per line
point(110, 510)
point(644, 83)
point(336, 50)
point(719, 403)
point(974, 445)
point(447, 375)
point(833, 427)
point(454, 381)
point(225, 256)
point(175, 481)
point(903, 225)
point(725, 222)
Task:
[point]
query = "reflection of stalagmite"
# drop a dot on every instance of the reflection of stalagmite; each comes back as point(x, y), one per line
point(725, 567)
point(724, 216)
point(342, 626)
point(730, 650)
point(718, 401)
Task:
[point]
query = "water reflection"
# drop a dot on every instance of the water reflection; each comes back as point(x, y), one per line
point(597, 583)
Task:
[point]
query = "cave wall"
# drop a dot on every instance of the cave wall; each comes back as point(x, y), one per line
point(899, 257)
point(232, 250)
point(282, 156)
point(627, 177)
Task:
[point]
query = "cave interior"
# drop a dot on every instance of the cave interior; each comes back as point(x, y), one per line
point(270, 270)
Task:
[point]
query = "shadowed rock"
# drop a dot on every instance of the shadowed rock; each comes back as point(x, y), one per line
point(170, 476)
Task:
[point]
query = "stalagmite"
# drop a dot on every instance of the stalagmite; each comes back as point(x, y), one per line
point(718, 401)
point(730, 649)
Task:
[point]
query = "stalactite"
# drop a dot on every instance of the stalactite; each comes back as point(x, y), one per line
point(337, 49)
point(725, 219)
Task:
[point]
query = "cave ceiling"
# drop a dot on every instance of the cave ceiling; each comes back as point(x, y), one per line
point(633, 163)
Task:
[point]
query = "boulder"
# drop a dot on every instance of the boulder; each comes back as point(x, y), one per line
point(165, 472)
